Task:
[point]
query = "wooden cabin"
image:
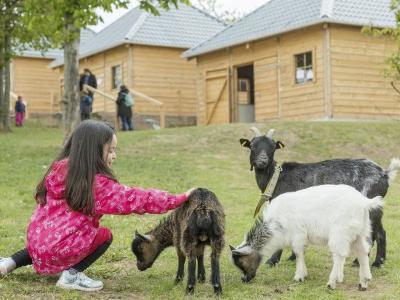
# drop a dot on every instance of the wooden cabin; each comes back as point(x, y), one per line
point(298, 59)
point(143, 52)
point(38, 84)
point(32, 79)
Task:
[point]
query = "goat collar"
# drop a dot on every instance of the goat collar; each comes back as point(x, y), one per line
point(267, 195)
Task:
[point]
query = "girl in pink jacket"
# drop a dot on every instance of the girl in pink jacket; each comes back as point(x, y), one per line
point(64, 234)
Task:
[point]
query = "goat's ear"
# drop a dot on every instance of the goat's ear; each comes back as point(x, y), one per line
point(245, 143)
point(144, 237)
point(279, 145)
point(242, 251)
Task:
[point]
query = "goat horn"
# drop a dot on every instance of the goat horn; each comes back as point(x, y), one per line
point(256, 131)
point(270, 133)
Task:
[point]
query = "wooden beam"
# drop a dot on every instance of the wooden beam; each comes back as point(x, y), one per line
point(136, 93)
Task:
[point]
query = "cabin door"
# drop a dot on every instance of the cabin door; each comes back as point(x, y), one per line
point(244, 94)
point(216, 95)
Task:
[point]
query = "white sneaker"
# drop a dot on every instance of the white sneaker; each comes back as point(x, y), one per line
point(7, 265)
point(78, 281)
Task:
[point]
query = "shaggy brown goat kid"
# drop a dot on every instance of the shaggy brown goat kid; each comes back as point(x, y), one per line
point(200, 221)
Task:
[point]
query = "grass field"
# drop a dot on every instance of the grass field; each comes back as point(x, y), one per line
point(175, 160)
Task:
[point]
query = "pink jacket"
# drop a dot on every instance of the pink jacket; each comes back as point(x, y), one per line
point(59, 237)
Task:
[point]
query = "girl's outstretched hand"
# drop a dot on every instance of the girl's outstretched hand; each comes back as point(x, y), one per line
point(188, 192)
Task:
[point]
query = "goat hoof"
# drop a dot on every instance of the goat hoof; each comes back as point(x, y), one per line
point(190, 290)
point(377, 264)
point(331, 286)
point(178, 279)
point(292, 257)
point(272, 262)
point(201, 278)
point(299, 279)
point(217, 289)
point(361, 288)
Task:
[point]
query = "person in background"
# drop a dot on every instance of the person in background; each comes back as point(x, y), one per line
point(86, 78)
point(19, 112)
point(125, 104)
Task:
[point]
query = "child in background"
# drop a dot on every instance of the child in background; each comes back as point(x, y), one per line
point(19, 112)
point(124, 108)
point(64, 234)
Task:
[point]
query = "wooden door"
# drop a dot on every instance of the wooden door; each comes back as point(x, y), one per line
point(266, 89)
point(216, 94)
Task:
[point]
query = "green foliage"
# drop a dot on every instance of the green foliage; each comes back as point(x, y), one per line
point(393, 61)
point(151, 5)
point(214, 8)
point(175, 160)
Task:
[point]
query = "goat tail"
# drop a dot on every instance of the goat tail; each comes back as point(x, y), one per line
point(375, 203)
point(392, 170)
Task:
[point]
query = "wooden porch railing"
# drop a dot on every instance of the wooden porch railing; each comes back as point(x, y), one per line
point(137, 94)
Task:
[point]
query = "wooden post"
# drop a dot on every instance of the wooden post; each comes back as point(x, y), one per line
point(51, 102)
point(162, 116)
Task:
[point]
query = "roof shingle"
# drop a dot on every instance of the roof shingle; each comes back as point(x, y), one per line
point(279, 16)
point(184, 27)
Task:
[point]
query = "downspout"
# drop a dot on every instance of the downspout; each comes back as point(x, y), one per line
point(327, 71)
point(278, 71)
point(232, 106)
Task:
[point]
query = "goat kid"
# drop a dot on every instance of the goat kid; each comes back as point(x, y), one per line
point(333, 215)
point(362, 174)
point(200, 221)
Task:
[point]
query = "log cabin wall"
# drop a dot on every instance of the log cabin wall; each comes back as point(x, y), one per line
point(36, 83)
point(359, 89)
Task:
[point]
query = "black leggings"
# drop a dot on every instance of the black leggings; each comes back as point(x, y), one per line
point(22, 257)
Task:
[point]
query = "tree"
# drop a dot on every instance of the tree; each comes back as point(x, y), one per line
point(214, 8)
point(56, 23)
point(10, 11)
point(392, 69)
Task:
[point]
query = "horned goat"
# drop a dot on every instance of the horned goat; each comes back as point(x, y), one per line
point(333, 215)
point(362, 174)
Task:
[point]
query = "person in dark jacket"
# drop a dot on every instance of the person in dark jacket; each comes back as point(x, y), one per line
point(19, 112)
point(124, 105)
point(87, 97)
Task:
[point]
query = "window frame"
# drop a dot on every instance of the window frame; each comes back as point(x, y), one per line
point(305, 67)
point(114, 84)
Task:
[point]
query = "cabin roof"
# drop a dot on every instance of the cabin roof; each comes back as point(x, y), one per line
point(183, 28)
point(53, 53)
point(280, 16)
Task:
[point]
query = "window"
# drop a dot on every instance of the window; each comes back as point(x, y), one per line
point(244, 84)
point(244, 90)
point(304, 67)
point(116, 76)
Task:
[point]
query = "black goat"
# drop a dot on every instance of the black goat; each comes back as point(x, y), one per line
point(200, 221)
point(362, 174)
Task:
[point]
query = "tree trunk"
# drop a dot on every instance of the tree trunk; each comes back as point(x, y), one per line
point(5, 83)
point(70, 99)
point(1, 86)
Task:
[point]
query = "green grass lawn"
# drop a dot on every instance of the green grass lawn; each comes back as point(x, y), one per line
point(175, 160)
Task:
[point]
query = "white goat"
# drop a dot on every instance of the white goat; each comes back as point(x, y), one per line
point(333, 215)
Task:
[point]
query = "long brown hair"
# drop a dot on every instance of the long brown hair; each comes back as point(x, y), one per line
point(84, 150)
